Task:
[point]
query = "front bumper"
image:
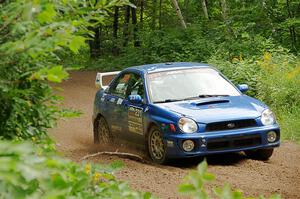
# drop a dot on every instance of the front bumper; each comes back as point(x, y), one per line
point(221, 141)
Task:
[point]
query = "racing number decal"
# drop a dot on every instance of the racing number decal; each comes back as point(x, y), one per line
point(135, 119)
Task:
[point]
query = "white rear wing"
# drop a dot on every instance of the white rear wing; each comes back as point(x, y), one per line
point(100, 76)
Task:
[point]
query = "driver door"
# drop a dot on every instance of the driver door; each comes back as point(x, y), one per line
point(133, 113)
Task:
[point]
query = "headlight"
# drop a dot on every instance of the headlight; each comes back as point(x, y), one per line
point(187, 125)
point(267, 117)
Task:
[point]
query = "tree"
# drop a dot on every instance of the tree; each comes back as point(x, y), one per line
point(204, 8)
point(126, 26)
point(115, 50)
point(135, 27)
point(34, 38)
point(95, 42)
point(178, 12)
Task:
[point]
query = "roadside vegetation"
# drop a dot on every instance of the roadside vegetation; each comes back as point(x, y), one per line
point(253, 42)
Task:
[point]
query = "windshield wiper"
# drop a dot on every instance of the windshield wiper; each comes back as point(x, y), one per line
point(204, 96)
point(189, 98)
point(168, 100)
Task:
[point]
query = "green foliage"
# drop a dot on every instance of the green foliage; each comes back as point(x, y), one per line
point(279, 88)
point(28, 172)
point(32, 36)
point(274, 78)
point(196, 181)
point(279, 80)
point(239, 71)
point(289, 124)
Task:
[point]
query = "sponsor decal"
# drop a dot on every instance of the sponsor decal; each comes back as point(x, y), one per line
point(119, 101)
point(135, 120)
point(170, 143)
point(115, 128)
point(112, 100)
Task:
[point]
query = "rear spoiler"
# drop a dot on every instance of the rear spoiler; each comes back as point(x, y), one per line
point(99, 79)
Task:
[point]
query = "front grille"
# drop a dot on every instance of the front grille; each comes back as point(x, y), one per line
point(228, 125)
point(233, 142)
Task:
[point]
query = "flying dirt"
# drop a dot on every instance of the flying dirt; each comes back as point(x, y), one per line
point(280, 174)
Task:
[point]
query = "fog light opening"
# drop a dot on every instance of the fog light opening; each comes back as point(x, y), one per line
point(271, 136)
point(188, 145)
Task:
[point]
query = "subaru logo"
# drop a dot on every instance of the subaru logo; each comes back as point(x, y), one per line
point(230, 125)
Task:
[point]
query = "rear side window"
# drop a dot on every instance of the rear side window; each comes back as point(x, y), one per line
point(120, 86)
point(128, 84)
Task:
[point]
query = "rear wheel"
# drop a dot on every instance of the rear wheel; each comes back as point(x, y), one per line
point(156, 147)
point(260, 154)
point(102, 133)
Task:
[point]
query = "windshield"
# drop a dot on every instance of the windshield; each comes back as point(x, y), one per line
point(188, 84)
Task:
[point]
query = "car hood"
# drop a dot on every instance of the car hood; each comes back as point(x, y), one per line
point(215, 109)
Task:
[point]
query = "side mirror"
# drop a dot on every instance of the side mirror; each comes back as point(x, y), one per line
point(136, 99)
point(243, 87)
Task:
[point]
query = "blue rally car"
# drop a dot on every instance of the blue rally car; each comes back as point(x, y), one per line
point(178, 110)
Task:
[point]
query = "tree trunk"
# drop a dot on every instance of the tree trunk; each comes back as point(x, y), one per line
point(224, 9)
point(95, 43)
point(204, 8)
point(142, 14)
point(229, 31)
point(126, 26)
point(115, 50)
point(154, 5)
point(178, 12)
point(291, 28)
point(135, 28)
point(160, 14)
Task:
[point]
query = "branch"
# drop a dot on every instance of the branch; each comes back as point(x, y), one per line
point(116, 153)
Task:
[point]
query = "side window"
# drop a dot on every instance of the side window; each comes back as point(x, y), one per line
point(136, 86)
point(120, 86)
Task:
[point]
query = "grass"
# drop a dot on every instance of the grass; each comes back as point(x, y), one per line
point(290, 126)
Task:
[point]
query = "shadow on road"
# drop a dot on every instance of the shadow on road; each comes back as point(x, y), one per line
point(220, 159)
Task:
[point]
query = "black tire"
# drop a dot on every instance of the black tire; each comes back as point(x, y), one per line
point(156, 146)
point(260, 154)
point(102, 134)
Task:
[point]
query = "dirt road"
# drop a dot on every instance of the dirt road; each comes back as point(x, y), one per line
point(281, 174)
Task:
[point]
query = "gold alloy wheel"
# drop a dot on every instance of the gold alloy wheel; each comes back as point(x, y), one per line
point(103, 131)
point(157, 145)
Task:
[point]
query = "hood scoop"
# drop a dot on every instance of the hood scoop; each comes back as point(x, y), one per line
point(207, 102)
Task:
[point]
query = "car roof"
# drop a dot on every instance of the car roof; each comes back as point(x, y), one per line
point(151, 68)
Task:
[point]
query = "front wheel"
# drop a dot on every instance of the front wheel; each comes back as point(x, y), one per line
point(260, 154)
point(156, 147)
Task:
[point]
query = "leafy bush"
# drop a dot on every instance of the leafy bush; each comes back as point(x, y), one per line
point(278, 87)
point(279, 80)
point(273, 78)
point(195, 182)
point(239, 71)
point(28, 172)
point(32, 35)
